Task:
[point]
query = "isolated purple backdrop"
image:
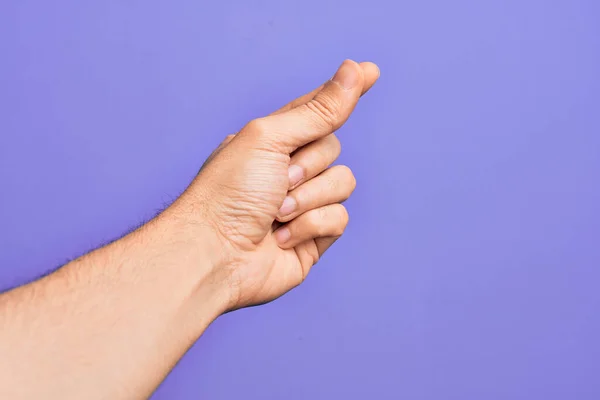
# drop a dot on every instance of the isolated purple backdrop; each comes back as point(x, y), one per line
point(470, 269)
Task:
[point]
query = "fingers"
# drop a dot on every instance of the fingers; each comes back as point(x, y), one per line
point(370, 72)
point(327, 221)
point(318, 117)
point(324, 113)
point(315, 157)
point(324, 243)
point(299, 101)
point(332, 186)
point(311, 251)
point(312, 159)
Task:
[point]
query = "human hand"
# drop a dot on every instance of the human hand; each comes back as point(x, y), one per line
point(273, 204)
point(260, 213)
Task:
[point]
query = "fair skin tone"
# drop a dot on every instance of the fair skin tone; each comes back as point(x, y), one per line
point(261, 212)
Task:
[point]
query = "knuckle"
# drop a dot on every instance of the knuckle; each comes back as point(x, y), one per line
point(350, 179)
point(326, 108)
point(323, 213)
point(328, 150)
point(346, 174)
point(343, 219)
point(346, 179)
point(334, 144)
point(319, 220)
point(257, 126)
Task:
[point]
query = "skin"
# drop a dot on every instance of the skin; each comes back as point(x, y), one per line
point(263, 209)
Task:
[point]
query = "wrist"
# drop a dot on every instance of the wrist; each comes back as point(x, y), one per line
point(196, 258)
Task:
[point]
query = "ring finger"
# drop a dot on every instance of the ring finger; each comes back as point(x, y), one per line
point(324, 222)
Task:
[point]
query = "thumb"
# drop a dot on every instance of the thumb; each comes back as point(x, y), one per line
point(370, 73)
point(318, 117)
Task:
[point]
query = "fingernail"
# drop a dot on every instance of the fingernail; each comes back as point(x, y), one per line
point(346, 75)
point(288, 206)
point(283, 235)
point(295, 174)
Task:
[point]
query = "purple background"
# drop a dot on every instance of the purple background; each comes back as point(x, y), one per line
point(470, 267)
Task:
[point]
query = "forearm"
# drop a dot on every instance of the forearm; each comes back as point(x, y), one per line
point(112, 323)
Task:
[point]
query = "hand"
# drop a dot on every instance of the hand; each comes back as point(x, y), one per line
point(268, 194)
point(259, 214)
